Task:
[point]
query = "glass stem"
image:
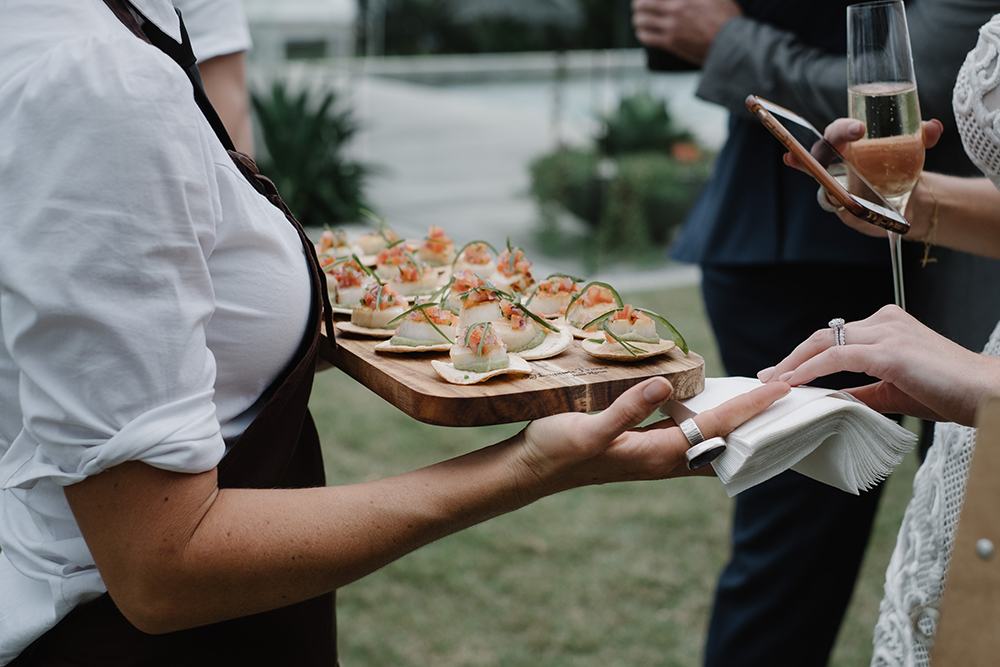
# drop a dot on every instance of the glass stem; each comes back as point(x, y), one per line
point(896, 252)
point(895, 256)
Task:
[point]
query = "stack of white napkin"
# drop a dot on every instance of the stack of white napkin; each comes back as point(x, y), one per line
point(822, 433)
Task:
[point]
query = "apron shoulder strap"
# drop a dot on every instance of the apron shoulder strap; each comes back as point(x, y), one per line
point(181, 53)
point(184, 56)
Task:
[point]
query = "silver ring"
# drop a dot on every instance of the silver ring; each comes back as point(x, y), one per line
point(837, 324)
point(824, 202)
point(704, 453)
point(692, 432)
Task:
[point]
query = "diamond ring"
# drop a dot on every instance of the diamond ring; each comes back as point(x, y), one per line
point(837, 324)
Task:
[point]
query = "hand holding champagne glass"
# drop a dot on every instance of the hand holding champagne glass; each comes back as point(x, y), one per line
point(882, 92)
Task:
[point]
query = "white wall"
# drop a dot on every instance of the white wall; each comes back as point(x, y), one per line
point(273, 24)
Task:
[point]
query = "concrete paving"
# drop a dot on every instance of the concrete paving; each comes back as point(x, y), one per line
point(457, 155)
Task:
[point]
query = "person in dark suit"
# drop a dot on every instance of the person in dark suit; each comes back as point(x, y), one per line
point(775, 268)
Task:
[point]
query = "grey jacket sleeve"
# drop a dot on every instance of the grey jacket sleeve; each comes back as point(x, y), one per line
point(751, 57)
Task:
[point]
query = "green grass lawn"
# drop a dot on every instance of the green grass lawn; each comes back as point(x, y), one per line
point(617, 575)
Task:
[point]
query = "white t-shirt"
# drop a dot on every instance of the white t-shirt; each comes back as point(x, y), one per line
point(148, 295)
point(216, 27)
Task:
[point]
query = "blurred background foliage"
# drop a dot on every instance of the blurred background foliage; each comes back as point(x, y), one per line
point(301, 147)
point(422, 27)
point(642, 123)
point(632, 187)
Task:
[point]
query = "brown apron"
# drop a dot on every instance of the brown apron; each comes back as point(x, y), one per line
point(280, 449)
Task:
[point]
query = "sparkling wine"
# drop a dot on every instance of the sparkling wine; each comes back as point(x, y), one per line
point(891, 154)
point(882, 93)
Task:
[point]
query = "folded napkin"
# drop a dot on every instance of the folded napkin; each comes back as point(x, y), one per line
point(822, 433)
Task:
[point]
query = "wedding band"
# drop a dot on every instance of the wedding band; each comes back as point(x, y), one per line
point(692, 432)
point(837, 324)
point(824, 202)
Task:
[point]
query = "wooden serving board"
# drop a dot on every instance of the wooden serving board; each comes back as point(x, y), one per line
point(573, 381)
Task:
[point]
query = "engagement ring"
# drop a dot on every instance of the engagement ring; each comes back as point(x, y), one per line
point(837, 324)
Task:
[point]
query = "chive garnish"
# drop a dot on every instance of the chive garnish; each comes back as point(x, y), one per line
point(604, 318)
point(675, 334)
point(422, 307)
point(614, 293)
point(459, 253)
point(366, 269)
point(630, 348)
point(564, 275)
point(485, 326)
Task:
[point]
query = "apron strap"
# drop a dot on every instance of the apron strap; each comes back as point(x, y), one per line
point(181, 53)
point(184, 56)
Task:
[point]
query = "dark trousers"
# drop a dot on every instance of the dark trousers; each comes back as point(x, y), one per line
point(797, 543)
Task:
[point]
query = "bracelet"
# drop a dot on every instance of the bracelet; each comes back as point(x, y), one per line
point(931, 235)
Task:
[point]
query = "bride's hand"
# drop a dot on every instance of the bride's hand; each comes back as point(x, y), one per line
point(921, 373)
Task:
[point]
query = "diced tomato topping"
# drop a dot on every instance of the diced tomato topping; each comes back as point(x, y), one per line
point(520, 264)
point(517, 318)
point(435, 315)
point(332, 239)
point(410, 272)
point(348, 274)
point(389, 298)
point(394, 256)
point(437, 241)
point(558, 285)
point(354, 266)
point(476, 336)
point(629, 313)
point(466, 280)
point(597, 294)
point(626, 313)
point(477, 253)
point(479, 295)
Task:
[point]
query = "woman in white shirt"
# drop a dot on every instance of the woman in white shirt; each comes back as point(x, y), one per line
point(155, 312)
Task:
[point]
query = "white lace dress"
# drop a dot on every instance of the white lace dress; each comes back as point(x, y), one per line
point(914, 581)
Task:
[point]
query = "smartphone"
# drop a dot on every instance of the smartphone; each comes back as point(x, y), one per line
point(840, 179)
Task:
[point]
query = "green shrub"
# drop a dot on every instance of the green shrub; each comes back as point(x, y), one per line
point(640, 124)
point(301, 149)
point(632, 188)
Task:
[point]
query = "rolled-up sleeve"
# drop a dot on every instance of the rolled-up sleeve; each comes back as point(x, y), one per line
point(105, 291)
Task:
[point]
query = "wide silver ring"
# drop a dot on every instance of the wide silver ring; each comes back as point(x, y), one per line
point(837, 324)
point(692, 432)
point(704, 453)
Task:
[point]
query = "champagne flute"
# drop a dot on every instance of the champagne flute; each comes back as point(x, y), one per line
point(882, 93)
